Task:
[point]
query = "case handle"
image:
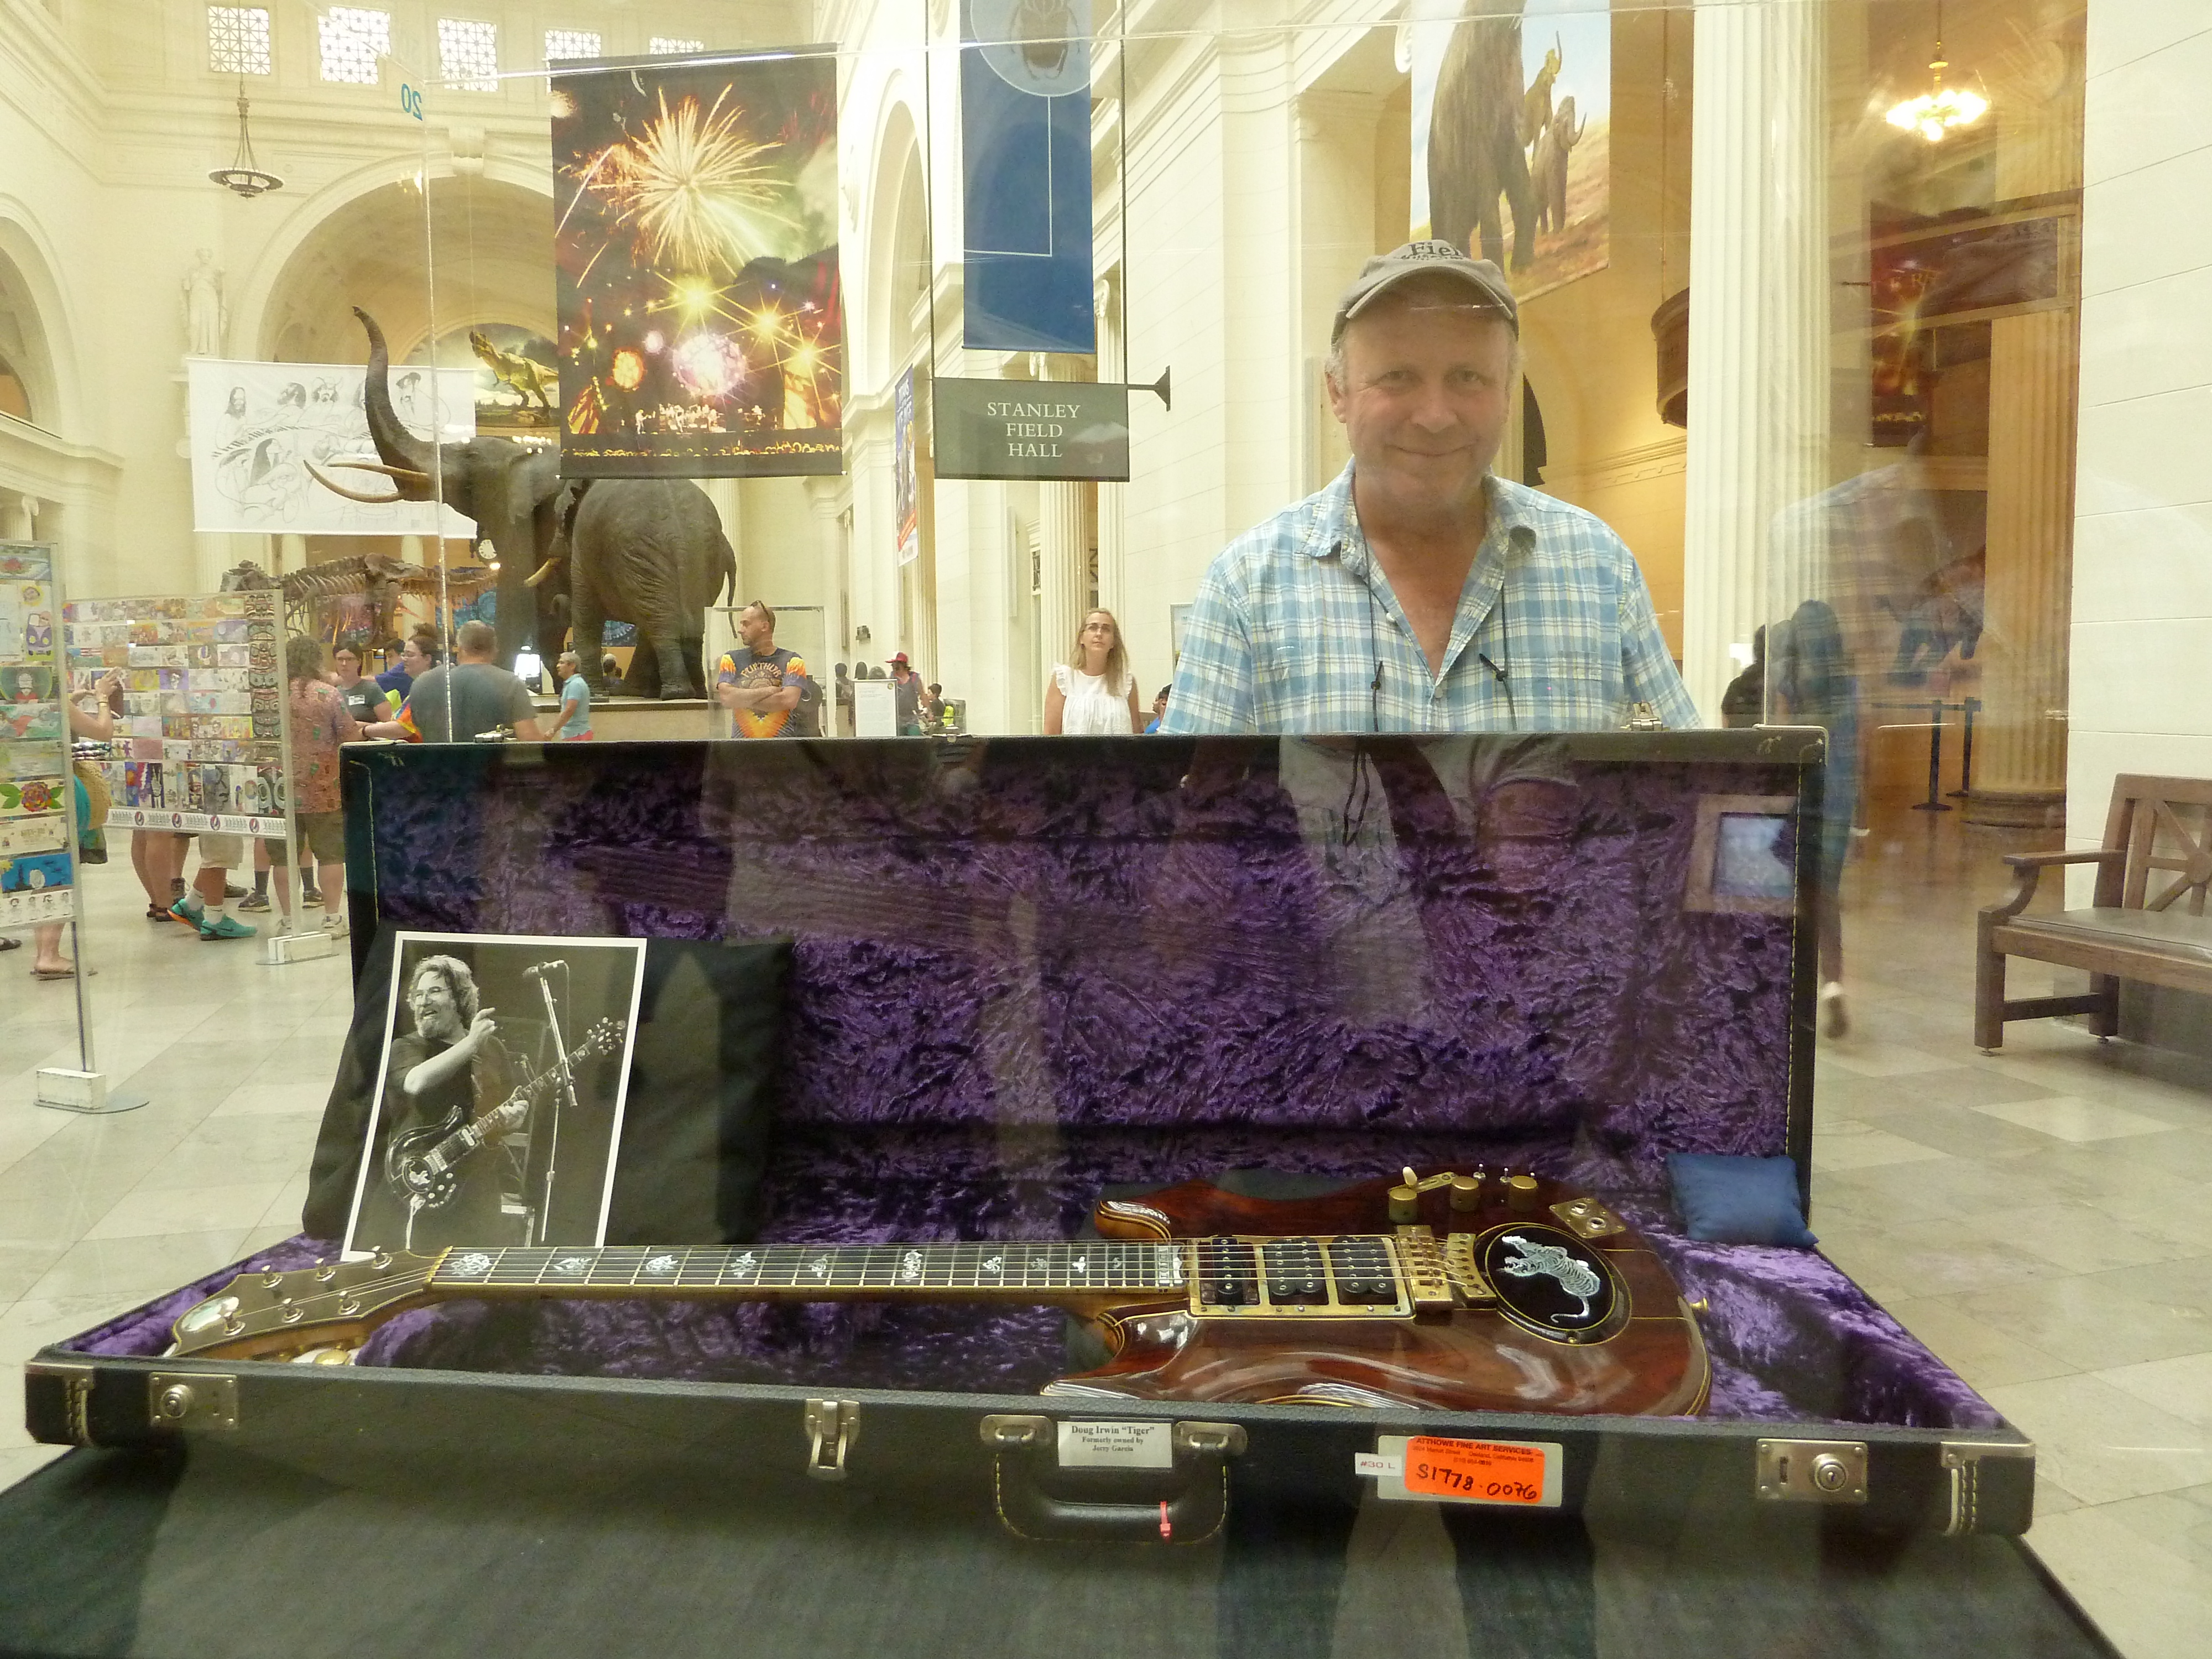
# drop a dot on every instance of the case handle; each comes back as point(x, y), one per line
point(1036, 1499)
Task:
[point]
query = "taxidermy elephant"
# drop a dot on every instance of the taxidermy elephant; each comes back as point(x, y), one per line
point(1476, 150)
point(647, 551)
point(514, 494)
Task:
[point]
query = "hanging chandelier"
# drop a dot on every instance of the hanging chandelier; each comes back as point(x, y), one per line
point(1935, 113)
point(244, 175)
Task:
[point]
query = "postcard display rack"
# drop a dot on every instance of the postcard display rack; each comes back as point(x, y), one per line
point(200, 746)
point(201, 742)
point(38, 828)
point(37, 861)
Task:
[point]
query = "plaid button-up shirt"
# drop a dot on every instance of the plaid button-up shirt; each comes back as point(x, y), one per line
point(1296, 630)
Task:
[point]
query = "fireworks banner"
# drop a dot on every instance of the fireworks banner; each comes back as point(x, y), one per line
point(701, 324)
point(1512, 122)
point(1025, 157)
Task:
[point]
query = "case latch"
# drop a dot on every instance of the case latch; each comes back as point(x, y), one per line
point(191, 1399)
point(1813, 1471)
point(832, 1428)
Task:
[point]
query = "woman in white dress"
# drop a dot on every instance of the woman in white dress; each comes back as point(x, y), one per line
point(1093, 694)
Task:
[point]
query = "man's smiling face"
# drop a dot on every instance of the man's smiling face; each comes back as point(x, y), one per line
point(1423, 397)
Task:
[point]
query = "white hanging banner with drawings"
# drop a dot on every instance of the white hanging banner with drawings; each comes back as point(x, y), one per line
point(255, 428)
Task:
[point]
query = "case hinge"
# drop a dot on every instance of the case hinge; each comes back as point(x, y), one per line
point(1962, 1463)
point(833, 1426)
point(1813, 1471)
point(191, 1399)
point(76, 1378)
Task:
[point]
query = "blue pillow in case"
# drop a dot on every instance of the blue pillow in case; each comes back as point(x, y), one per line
point(1738, 1200)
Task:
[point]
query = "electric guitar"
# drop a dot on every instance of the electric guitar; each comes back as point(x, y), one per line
point(420, 1165)
point(1489, 1292)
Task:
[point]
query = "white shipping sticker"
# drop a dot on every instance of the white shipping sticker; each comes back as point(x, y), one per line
point(1116, 1445)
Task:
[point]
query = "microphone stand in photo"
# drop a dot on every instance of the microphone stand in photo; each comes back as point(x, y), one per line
point(564, 1091)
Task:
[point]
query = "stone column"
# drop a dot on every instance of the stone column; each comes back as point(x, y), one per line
point(22, 524)
point(1064, 566)
point(2020, 740)
point(1759, 326)
point(1105, 301)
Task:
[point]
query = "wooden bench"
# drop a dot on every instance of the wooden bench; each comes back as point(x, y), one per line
point(2157, 825)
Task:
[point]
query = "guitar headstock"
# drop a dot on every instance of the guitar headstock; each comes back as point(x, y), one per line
point(605, 1037)
point(273, 1314)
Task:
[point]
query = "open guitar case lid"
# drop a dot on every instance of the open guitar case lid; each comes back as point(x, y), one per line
point(903, 991)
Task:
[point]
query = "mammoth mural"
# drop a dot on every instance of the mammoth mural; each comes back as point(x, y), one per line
point(1476, 152)
point(649, 551)
point(1548, 172)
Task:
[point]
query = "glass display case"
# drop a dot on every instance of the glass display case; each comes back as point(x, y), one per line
point(1079, 841)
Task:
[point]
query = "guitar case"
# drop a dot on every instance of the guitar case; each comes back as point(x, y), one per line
point(962, 989)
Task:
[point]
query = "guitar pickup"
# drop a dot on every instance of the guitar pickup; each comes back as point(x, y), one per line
point(1274, 1277)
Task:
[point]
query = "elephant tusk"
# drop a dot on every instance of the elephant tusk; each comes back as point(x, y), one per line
point(329, 483)
point(412, 477)
point(543, 572)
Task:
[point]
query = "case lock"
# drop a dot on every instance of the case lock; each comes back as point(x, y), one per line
point(1813, 1471)
point(191, 1399)
point(832, 1428)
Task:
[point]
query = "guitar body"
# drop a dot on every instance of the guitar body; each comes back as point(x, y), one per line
point(1538, 1347)
point(408, 1171)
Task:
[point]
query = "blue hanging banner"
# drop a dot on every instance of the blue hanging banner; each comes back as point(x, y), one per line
point(1025, 147)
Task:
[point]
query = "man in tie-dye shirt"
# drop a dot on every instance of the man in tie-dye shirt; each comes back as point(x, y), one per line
point(759, 684)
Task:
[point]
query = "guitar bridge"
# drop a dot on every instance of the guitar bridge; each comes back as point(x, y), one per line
point(1352, 1276)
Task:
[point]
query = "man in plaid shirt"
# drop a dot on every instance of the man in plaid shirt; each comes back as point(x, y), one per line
point(1417, 592)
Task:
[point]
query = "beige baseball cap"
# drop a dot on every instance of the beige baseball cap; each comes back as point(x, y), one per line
point(1385, 270)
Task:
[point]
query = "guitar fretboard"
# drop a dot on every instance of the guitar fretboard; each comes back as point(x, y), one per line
point(1011, 1268)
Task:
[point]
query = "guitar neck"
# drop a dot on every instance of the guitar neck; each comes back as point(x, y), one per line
point(1009, 1271)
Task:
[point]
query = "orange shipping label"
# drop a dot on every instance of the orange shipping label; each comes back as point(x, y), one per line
point(1490, 1471)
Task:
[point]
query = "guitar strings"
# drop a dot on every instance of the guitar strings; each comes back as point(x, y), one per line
point(1208, 1253)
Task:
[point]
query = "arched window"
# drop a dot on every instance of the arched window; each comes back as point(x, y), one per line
point(15, 396)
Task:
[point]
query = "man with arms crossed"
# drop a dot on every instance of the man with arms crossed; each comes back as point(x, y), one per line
point(1417, 592)
point(759, 684)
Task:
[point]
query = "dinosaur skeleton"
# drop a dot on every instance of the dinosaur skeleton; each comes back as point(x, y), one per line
point(374, 577)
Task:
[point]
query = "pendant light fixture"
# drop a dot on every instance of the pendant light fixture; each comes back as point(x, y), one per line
point(1940, 111)
point(244, 175)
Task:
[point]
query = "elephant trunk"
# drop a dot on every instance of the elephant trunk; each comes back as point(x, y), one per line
point(395, 446)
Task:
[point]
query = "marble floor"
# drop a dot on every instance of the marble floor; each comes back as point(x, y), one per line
point(2041, 1218)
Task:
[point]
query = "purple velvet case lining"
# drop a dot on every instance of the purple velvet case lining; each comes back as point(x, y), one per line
point(1028, 968)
